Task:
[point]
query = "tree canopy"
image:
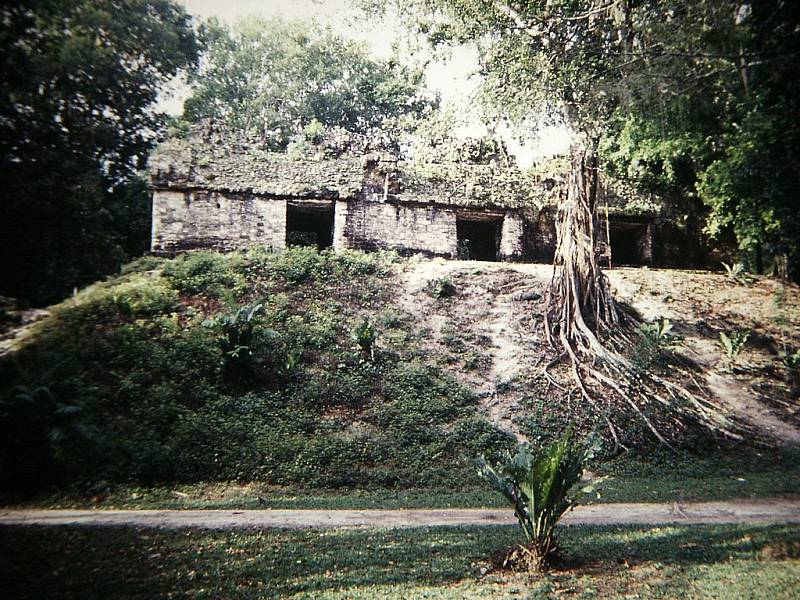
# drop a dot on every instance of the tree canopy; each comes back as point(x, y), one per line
point(692, 98)
point(278, 77)
point(78, 81)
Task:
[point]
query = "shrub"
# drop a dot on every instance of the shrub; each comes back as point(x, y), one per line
point(142, 265)
point(208, 273)
point(538, 486)
point(299, 264)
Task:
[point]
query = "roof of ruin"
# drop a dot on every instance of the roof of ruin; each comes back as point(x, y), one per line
point(218, 159)
point(492, 185)
point(213, 159)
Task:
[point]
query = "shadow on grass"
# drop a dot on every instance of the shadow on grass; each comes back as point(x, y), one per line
point(85, 563)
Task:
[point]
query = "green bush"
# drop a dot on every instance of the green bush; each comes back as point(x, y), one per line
point(300, 264)
point(208, 273)
point(34, 430)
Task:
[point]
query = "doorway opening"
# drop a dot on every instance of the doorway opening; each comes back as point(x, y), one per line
point(309, 225)
point(629, 243)
point(478, 240)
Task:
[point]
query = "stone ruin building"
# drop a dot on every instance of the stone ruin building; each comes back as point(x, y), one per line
point(225, 191)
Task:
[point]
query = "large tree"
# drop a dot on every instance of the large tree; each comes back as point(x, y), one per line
point(599, 63)
point(78, 83)
point(277, 77)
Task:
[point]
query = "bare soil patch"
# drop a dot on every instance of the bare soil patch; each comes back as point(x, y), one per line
point(490, 336)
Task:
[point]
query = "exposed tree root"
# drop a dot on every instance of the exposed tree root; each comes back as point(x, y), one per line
point(585, 325)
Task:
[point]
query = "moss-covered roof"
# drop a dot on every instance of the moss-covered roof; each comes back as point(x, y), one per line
point(218, 159)
point(473, 185)
point(233, 162)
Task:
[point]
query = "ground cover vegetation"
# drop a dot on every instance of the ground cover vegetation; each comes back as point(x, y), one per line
point(247, 366)
point(306, 379)
point(722, 561)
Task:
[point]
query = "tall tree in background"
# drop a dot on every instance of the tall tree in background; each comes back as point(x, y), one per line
point(276, 77)
point(722, 133)
point(78, 81)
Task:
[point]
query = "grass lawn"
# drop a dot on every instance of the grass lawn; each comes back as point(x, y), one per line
point(667, 562)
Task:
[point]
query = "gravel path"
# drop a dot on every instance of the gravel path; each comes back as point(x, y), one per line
point(736, 511)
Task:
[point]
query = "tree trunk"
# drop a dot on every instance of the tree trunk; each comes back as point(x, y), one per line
point(583, 322)
point(580, 305)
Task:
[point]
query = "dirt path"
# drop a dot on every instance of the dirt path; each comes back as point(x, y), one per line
point(481, 322)
point(735, 511)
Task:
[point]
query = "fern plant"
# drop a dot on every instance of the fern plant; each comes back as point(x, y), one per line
point(539, 485)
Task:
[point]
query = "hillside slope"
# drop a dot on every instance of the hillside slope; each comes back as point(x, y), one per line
point(347, 369)
point(489, 334)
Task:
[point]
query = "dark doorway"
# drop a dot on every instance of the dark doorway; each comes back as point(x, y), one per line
point(309, 225)
point(629, 244)
point(477, 240)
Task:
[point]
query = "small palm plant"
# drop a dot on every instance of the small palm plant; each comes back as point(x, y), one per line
point(733, 344)
point(539, 486)
point(238, 339)
point(364, 335)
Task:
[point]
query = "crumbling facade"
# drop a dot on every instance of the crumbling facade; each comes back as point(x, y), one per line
point(212, 190)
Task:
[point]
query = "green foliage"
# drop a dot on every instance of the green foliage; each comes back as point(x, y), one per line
point(240, 339)
point(538, 486)
point(77, 87)
point(790, 357)
point(733, 344)
point(285, 79)
point(207, 273)
point(655, 339)
point(182, 386)
point(737, 274)
point(34, 430)
point(696, 100)
point(364, 335)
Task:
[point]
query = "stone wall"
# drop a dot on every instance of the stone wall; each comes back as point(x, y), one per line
point(183, 220)
point(405, 228)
